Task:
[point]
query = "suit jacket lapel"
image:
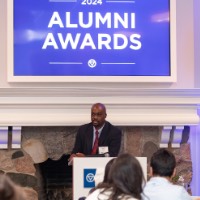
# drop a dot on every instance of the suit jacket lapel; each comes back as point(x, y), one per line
point(89, 138)
point(103, 134)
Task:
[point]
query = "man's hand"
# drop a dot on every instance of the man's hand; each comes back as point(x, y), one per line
point(80, 155)
point(70, 160)
point(71, 156)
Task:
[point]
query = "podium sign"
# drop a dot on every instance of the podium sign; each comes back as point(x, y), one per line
point(88, 172)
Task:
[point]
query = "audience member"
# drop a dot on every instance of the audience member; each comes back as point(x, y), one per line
point(105, 178)
point(159, 187)
point(125, 180)
point(10, 191)
point(107, 169)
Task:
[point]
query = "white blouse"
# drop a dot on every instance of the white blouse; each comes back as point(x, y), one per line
point(105, 196)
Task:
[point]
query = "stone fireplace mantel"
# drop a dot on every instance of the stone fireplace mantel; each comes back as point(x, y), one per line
point(125, 106)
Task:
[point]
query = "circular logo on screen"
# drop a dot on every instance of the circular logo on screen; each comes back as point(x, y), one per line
point(90, 177)
point(92, 63)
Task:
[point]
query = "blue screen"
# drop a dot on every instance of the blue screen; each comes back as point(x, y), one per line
point(91, 38)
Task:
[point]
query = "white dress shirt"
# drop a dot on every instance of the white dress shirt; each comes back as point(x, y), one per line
point(105, 196)
point(159, 188)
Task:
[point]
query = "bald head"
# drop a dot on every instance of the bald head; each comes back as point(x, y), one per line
point(100, 105)
point(98, 115)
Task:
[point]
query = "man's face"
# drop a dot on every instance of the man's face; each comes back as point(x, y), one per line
point(98, 115)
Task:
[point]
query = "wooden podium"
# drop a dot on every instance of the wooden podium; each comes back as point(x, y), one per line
point(89, 171)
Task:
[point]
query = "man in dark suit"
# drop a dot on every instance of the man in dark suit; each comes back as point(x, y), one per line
point(97, 136)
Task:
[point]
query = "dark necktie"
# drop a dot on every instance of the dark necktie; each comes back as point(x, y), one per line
point(95, 146)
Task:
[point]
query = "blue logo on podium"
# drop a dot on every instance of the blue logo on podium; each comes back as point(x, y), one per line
point(89, 175)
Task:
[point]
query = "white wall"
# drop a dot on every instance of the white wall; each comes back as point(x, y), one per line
point(185, 53)
point(195, 130)
point(195, 149)
point(197, 42)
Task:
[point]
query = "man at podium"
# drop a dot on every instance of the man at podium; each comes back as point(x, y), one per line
point(97, 138)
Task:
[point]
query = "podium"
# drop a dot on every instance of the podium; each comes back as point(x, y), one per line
point(89, 171)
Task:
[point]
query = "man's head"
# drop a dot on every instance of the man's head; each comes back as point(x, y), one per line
point(163, 163)
point(98, 115)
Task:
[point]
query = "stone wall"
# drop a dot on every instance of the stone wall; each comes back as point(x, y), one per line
point(41, 143)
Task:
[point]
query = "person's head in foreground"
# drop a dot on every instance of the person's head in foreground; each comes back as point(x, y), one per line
point(125, 180)
point(8, 189)
point(163, 163)
point(107, 169)
point(160, 187)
